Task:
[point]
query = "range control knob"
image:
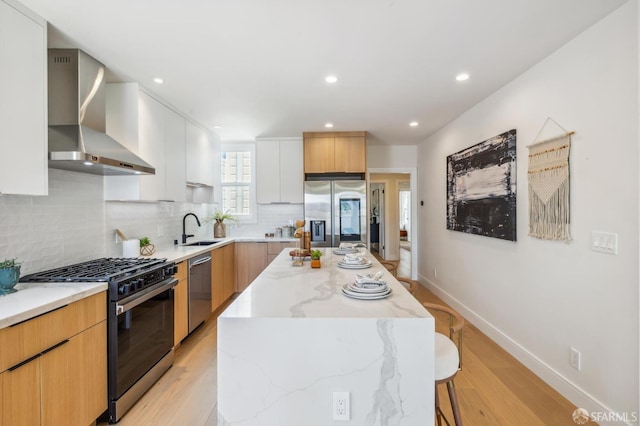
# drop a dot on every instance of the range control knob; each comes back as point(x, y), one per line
point(124, 289)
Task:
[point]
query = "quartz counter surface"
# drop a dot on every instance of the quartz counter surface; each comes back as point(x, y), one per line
point(33, 299)
point(292, 339)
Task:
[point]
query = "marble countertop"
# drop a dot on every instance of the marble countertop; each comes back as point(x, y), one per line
point(286, 291)
point(183, 252)
point(33, 299)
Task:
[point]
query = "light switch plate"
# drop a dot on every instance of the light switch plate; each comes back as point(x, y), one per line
point(604, 242)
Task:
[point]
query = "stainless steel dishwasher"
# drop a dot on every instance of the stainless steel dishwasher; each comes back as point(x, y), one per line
point(199, 290)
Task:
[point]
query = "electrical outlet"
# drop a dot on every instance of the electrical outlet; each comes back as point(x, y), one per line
point(160, 231)
point(341, 406)
point(574, 359)
point(435, 273)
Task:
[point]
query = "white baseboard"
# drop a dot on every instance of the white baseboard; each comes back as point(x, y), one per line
point(553, 378)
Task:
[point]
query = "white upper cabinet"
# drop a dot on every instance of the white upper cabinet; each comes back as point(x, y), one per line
point(23, 101)
point(200, 156)
point(279, 170)
point(157, 134)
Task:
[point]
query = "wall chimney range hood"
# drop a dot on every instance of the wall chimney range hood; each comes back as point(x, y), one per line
point(77, 119)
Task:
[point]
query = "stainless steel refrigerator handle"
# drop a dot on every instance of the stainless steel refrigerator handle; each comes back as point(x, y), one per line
point(120, 309)
point(200, 261)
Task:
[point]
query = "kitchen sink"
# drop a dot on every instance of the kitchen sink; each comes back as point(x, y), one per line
point(202, 243)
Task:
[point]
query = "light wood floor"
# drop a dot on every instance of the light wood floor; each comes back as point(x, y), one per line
point(493, 387)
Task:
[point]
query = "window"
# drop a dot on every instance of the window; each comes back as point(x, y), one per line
point(238, 183)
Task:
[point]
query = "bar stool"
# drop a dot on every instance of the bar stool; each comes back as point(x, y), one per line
point(409, 284)
point(391, 266)
point(448, 360)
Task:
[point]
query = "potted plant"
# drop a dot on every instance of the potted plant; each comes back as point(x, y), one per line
point(146, 248)
point(9, 276)
point(315, 258)
point(219, 228)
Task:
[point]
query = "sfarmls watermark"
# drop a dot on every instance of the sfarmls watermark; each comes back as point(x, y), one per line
point(582, 416)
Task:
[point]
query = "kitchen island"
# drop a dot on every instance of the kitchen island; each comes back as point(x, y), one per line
point(292, 339)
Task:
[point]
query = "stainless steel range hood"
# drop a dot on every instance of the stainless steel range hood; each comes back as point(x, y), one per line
point(77, 119)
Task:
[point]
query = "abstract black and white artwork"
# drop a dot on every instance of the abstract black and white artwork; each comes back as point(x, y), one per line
point(481, 188)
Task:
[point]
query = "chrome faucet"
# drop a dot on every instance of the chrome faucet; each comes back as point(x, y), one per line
point(184, 232)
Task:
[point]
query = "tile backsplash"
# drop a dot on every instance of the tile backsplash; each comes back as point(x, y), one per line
point(65, 227)
point(74, 223)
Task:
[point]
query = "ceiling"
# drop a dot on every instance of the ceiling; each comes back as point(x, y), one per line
point(257, 67)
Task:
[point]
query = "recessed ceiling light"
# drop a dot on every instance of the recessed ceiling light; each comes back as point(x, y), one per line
point(331, 79)
point(88, 163)
point(328, 125)
point(217, 126)
point(413, 124)
point(158, 80)
point(462, 77)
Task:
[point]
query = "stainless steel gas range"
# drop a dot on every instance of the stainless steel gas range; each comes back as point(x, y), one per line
point(139, 322)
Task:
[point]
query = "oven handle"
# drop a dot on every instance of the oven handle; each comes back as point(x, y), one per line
point(120, 309)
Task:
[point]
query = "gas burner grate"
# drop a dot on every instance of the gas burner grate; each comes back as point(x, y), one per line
point(98, 270)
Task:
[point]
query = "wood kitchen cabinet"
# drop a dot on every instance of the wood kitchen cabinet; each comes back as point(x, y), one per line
point(229, 256)
point(23, 101)
point(251, 259)
point(56, 371)
point(223, 274)
point(275, 248)
point(335, 152)
point(217, 278)
point(279, 170)
point(181, 304)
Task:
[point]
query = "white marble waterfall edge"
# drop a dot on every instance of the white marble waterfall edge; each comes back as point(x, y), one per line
point(280, 372)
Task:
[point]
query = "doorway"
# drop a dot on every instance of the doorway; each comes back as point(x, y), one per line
point(377, 215)
point(394, 226)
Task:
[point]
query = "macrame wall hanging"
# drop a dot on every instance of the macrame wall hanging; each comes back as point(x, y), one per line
point(549, 217)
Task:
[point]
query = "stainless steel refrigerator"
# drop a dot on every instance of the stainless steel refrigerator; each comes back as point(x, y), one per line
point(336, 211)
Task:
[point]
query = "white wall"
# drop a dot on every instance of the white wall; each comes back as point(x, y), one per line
point(391, 156)
point(537, 298)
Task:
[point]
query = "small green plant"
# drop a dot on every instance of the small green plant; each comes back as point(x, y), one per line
point(144, 241)
point(218, 216)
point(9, 263)
point(315, 254)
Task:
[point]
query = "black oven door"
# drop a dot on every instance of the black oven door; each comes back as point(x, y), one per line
point(143, 336)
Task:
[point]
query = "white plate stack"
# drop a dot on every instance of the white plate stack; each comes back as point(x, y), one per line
point(367, 287)
point(345, 248)
point(354, 261)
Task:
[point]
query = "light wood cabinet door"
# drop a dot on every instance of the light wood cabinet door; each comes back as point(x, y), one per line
point(350, 155)
point(217, 278)
point(275, 248)
point(335, 152)
point(74, 379)
point(318, 155)
point(181, 305)
point(21, 395)
point(229, 256)
point(251, 259)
